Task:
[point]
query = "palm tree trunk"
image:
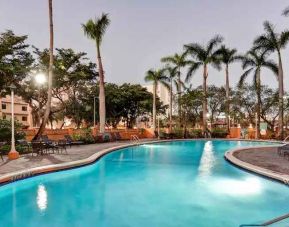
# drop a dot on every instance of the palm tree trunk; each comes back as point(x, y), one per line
point(228, 98)
point(154, 105)
point(179, 97)
point(101, 93)
point(50, 74)
point(258, 87)
point(171, 104)
point(205, 75)
point(281, 97)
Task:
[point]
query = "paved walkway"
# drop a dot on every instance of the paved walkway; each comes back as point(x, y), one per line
point(266, 158)
point(74, 153)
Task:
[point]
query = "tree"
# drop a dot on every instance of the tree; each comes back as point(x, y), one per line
point(172, 73)
point(95, 30)
point(204, 56)
point(227, 57)
point(155, 76)
point(15, 60)
point(253, 62)
point(285, 12)
point(271, 42)
point(178, 62)
point(50, 74)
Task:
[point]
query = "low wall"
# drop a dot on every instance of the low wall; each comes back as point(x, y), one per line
point(58, 134)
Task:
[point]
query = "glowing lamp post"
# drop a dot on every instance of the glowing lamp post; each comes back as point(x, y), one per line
point(13, 154)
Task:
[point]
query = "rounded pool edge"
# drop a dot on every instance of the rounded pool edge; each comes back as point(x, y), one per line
point(229, 156)
point(35, 171)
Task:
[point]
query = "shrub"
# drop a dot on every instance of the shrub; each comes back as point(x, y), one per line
point(219, 133)
point(85, 135)
point(196, 133)
point(5, 131)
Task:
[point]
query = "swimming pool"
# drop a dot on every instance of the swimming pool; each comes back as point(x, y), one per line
point(182, 183)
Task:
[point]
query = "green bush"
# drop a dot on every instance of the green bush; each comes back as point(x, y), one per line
point(85, 136)
point(219, 133)
point(5, 131)
point(196, 133)
point(20, 148)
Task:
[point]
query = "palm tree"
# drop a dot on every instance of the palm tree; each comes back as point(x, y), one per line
point(253, 61)
point(227, 57)
point(285, 12)
point(204, 56)
point(95, 30)
point(271, 42)
point(172, 73)
point(50, 74)
point(155, 76)
point(178, 61)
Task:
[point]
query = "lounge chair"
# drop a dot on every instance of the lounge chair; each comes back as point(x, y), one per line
point(70, 141)
point(37, 147)
point(62, 146)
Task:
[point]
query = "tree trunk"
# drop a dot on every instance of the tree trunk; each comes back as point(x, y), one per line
point(281, 96)
point(179, 97)
point(171, 104)
point(228, 98)
point(258, 91)
point(205, 75)
point(50, 75)
point(101, 93)
point(154, 105)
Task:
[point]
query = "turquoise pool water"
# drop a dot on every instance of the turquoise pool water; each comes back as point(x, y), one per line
point(186, 183)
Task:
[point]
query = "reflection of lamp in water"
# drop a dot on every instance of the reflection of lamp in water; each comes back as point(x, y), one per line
point(41, 197)
point(207, 159)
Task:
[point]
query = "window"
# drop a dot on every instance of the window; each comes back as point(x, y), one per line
point(24, 118)
point(24, 108)
point(3, 106)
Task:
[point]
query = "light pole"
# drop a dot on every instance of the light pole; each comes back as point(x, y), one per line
point(13, 154)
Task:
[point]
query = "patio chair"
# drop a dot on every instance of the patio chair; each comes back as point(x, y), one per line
point(62, 146)
point(70, 141)
point(283, 150)
point(37, 148)
point(1, 150)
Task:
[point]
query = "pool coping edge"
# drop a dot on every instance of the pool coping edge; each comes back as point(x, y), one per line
point(35, 171)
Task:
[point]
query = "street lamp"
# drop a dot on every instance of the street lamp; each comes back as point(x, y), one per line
point(13, 154)
point(40, 78)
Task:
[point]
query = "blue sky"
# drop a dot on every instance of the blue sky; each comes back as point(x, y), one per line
point(143, 31)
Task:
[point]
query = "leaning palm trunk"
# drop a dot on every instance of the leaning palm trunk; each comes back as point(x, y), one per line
point(50, 75)
point(228, 98)
point(281, 95)
point(154, 105)
point(171, 105)
point(258, 90)
point(205, 75)
point(101, 94)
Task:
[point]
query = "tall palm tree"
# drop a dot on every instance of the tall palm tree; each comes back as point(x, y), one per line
point(204, 56)
point(178, 61)
point(155, 76)
point(285, 12)
point(227, 57)
point(95, 30)
point(271, 42)
point(50, 73)
point(172, 73)
point(253, 62)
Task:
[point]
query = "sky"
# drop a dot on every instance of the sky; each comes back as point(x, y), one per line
point(143, 31)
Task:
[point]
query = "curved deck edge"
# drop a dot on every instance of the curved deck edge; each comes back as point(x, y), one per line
point(229, 156)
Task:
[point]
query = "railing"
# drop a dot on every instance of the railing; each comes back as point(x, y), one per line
point(134, 138)
point(270, 222)
point(285, 139)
